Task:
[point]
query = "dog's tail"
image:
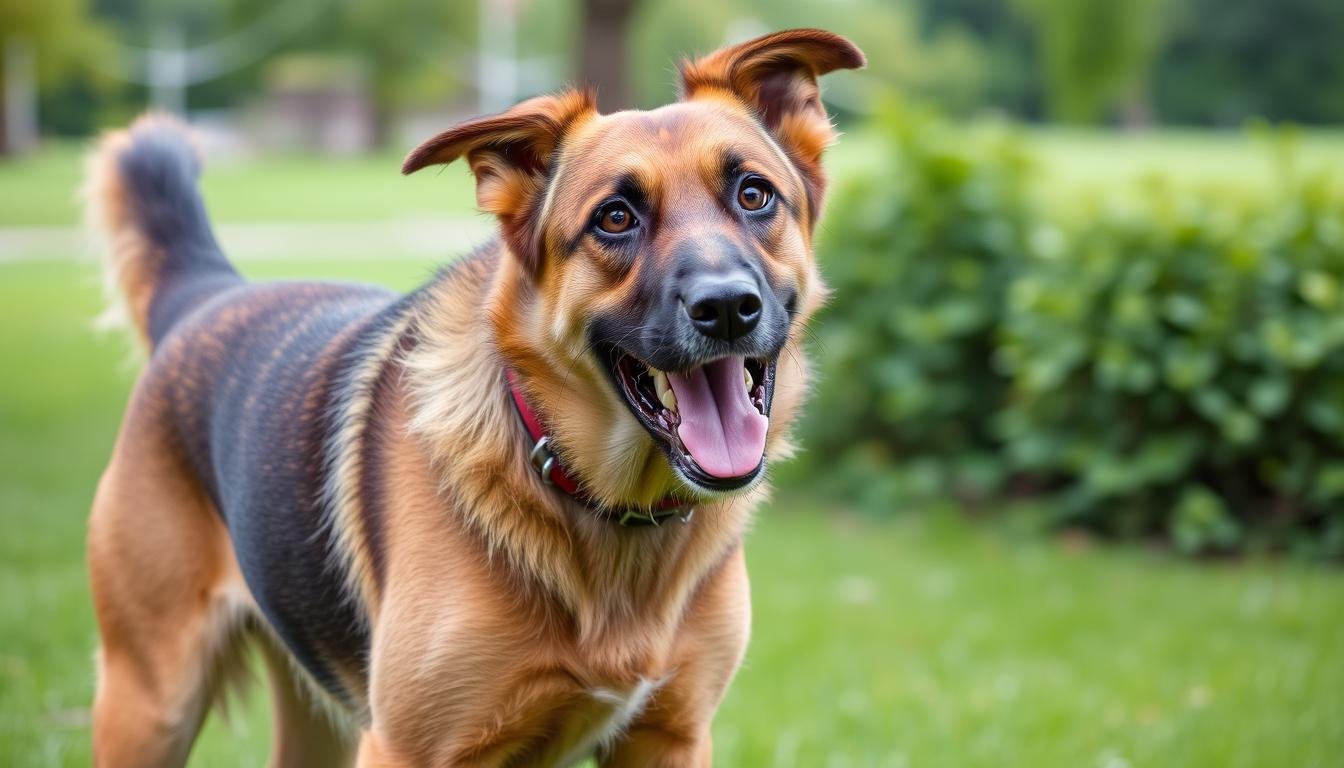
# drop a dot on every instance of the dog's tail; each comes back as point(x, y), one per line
point(162, 259)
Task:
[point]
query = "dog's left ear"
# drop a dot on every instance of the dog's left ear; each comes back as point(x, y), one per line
point(510, 154)
point(776, 76)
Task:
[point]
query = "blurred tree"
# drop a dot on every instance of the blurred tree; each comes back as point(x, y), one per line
point(603, 61)
point(410, 44)
point(1204, 61)
point(1095, 54)
point(1229, 60)
point(59, 31)
point(1010, 83)
point(947, 68)
point(668, 30)
point(248, 28)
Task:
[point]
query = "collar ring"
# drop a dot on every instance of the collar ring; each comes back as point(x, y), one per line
point(542, 459)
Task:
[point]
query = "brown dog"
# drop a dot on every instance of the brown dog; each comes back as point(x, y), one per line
point(342, 475)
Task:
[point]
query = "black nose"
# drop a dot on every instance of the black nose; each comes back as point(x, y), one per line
point(724, 309)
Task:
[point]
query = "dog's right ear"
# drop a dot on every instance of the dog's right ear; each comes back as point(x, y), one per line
point(511, 155)
point(776, 76)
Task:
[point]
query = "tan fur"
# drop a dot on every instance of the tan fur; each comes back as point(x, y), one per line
point(346, 464)
point(173, 610)
point(509, 624)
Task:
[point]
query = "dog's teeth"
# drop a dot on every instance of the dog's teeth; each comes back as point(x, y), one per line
point(746, 379)
point(664, 390)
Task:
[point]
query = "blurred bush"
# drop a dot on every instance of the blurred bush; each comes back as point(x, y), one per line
point(919, 251)
point(1173, 365)
point(1180, 367)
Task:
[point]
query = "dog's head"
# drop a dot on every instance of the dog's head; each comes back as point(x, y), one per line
point(662, 260)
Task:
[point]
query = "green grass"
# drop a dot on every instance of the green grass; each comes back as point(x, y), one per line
point(41, 189)
point(1072, 164)
point(918, 642)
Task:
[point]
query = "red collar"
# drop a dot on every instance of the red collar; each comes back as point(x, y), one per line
point(552, 472)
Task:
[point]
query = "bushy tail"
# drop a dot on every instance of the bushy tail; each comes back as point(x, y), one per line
point(161, 255)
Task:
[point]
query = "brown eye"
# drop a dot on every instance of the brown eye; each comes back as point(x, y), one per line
point(754, 195)
point(615, 219)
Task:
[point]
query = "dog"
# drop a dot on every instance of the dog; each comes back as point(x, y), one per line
point(499, 520)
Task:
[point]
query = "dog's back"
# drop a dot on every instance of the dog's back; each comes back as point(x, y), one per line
point(246, 379)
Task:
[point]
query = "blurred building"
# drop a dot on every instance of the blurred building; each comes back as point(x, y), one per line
point(318, 103)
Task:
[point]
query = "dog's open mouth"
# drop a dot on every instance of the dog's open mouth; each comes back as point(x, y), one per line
point(711, 419)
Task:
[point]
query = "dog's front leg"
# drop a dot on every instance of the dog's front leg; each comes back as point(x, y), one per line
point(648, 746)
point(373, 755)
point(673, 730)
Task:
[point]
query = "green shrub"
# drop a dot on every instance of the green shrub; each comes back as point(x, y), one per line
point(919, 251)
point(1180, 368)
point(1173, 365)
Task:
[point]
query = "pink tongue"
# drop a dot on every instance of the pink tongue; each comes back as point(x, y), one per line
point(720, 427)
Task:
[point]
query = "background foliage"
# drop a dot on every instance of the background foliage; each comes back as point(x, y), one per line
point(1177, 366)
point(1151, 361)
point(1284, 53)
point(918, 254)
point(1169, 363)
point(1190, 62)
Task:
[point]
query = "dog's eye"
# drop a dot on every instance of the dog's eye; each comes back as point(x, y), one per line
point(754, 194)
point(615, 218)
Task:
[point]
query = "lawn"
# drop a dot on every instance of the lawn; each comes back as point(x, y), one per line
point(921, 641)
point(40, 190)
point(1070, 161)
point(924, 640)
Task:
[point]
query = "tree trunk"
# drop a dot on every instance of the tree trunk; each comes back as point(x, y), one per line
point(1136, 111)
point(602, 46)
point(18, 96)
point(5, 148)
